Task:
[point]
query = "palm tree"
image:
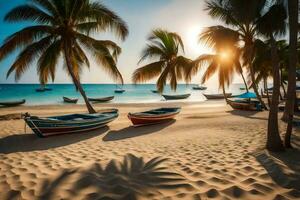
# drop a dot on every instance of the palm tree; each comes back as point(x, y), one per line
point(262, 63)
point(62, 28)
point(164, 46)
point(293, 60)
point(242, 17)
point(270, 28)
point(225, 61)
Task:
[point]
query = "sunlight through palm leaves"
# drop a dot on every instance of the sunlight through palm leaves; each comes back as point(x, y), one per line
point(225, 61)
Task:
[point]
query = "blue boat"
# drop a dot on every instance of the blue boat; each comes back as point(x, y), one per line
point(65, 124)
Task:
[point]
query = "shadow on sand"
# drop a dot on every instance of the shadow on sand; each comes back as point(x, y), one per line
point(30, 142)
point(118, 180)
point(247, 114)
point(284, 167)
point(132, 131)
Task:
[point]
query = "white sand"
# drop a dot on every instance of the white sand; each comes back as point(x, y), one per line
point(217, 152)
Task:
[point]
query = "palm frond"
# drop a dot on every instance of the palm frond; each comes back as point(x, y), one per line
point(47, 63)
point(219, 37)
point(152, 51)
point(218, 10)
point(162, 79)
point(24, 37)
point(267, 25)
point(27, 56)
point(211, 69)
point(148, 72)
point(29, 12)
point(105, 18)
point(198, 64)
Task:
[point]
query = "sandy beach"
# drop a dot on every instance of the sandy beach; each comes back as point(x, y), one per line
point(211, 152)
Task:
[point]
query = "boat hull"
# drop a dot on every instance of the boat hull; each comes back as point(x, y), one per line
point(217, 96)
point(12, 103)
point(199, 88)
point(142, 119)
point(119, 91)
point(45, 127)
point(176, 97)
point(101, 100)
point(69, 100)
point(243, 105)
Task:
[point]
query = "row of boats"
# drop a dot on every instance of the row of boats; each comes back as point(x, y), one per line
point(110, 98)
point(75, 123)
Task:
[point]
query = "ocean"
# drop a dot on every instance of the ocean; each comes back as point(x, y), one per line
point(140, 93)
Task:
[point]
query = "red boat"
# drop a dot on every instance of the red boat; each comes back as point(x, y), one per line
point(153, 116)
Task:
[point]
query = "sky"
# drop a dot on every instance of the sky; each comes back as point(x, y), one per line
point(186, 17)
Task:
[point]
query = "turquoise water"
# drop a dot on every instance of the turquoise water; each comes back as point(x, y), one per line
point(134, 93)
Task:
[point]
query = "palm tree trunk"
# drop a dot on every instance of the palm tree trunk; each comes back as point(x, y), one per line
point(282, 84)
point(75, 80)
point(244, 80)
point(255, 88)
point(291, 92)
point(224, 93)
point(267, 91)
point(274, 142)
point(252, 74)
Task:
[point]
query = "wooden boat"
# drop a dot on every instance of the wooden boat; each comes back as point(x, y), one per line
point(70, 100)
point(12, 103)
point(153, 116)
point(119, 90)
point(217, 96)
point(244, 105)
point(199, 88)
point(74, 123)
point(43, 89)
point(154, 91)
point(176, 97)
point(101, 100)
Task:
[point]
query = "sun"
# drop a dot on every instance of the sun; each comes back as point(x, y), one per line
point(225, 55)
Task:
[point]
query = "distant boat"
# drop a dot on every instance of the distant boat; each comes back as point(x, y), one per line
point(119, 89)
point(176, 97)
point(43, 89)
point(154, 91)
point(70, 100)
point(101, 100)
point(242, 88)
point(65, 124)
point(153, 116)
point(12, 103)
point(199, 87)
point(217, 96)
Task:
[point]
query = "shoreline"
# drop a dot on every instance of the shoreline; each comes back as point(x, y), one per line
point(68, 108)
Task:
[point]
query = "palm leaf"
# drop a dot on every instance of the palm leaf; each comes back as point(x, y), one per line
point(48, 61)
point(148, 72)
point(27, 56)
point(23, 37)
point(29, 12)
